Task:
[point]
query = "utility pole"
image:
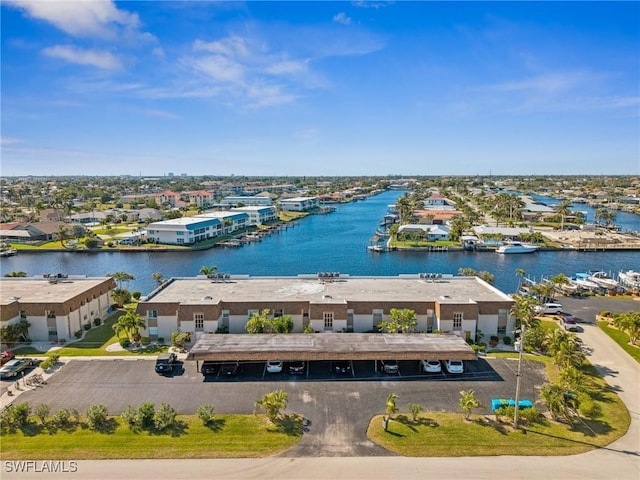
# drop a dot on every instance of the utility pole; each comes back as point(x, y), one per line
point(520, 348)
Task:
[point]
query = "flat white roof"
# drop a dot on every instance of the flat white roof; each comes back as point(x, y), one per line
point(41, 290)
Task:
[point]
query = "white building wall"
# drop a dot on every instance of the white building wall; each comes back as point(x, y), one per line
point(488, 325)
point(362, 323)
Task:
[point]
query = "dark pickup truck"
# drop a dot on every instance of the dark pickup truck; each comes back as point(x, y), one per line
point(165, 363)
point(296, 368)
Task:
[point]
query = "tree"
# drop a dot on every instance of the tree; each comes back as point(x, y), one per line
point(263, 323)
point(62, 235)
point(204, 270)
point(180, 339)
point(415, 409)
point(468, 402)
point(272, 403)
point(145, 416)
point(42, 412)
point(121, 296)
point(158, 278)
point(15, 274)
point(96, 416)
point(563, 210)
point(557, 401)
point(130, 324)
point(205, 413)
point(520, 274)
point(165, 417)
point(390, 406)
point(121, 277)
point(628, 322)
point(565, 348)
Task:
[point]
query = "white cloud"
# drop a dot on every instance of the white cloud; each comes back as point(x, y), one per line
point(230, 46)
point(287, 67)
point(219, 68)
point(342, 18)
point(9, 140)
point(96, 58)
point(549, 83)
point(81, 18)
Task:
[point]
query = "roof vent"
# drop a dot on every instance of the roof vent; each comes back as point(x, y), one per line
point(208, 297)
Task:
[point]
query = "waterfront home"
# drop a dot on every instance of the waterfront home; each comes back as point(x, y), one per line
point(259, 215)
point(21, 232)
point(298, 204)
point(56, 306)
point(200, 198)
point(430, 233)
point(257, 200)
point(190, 230)
point(329, 302)
point(438, 202)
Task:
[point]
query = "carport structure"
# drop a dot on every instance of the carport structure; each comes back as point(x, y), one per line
point(331, 346)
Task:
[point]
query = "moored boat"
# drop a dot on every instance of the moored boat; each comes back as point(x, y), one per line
point(603, 280)
point(516, 247)
point(10, 252)
point(630, 279)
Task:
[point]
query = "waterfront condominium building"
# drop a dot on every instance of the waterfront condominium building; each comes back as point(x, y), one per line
point(189, 230)
point(327, 302)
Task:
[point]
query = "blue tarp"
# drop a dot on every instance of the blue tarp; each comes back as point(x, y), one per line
point(496, 403)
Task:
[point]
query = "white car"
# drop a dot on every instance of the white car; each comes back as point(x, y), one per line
point(548, 309)
point(431, 366)
point(454, 366)
point(274, 366)
point(390, 366)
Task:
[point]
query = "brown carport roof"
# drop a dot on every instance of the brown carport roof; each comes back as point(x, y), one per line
point(331, 346)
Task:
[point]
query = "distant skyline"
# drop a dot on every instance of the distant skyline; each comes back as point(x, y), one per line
point(320, 88)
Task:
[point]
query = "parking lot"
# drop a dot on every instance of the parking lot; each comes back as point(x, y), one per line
point(339, 407)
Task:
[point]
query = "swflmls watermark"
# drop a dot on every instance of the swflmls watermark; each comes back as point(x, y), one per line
point(40, 466)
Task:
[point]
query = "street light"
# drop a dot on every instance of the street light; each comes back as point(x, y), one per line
point(520, 348)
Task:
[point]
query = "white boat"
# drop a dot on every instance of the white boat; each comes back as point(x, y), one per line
point(630, 279)
point(10, 252)
point(582, 280)
point(603, 280)
point(517, 247)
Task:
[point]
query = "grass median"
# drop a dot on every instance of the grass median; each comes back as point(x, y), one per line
point(228, 436)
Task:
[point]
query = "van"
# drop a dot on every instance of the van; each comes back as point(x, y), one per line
point(548, 309)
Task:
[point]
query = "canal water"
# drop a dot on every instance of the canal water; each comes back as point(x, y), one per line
point(335, 242)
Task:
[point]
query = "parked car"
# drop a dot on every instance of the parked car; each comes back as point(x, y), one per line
point(569, 323)
point(431, 366)
point(454, 366)
point(229, 369)
point(296, 368)
point(342, 366)
point(548, 309)
point(390, 366)
point(209, 368)
point(165, 363)
point(13, 367)
point(274, 366)
point(6, 356)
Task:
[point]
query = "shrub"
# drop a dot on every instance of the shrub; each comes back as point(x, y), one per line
point(605, 313)
point(494, 338)
point(96, 416)
point(506, 340)
point(49, 362)
point(20, 414)
point(478, 348)
point(161, 340)
point(78, 334)
point(179, 339)
point(165, 417)
point(222, 329)
point(87, 326)
point(62, 418)
point(144, 415)
point(129, 415)
point(205, 413)
point(136, 295)
point(42, 412)
point(528, 415)
point(145, 340)
point(97, 322)
point(125, 343)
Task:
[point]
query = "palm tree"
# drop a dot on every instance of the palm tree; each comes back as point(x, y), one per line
point(15, 274)
point(121, 277)
point(468, 402)
point(272, 403)
point(563, 210)
point(204, 270)
point(158, 278)
point(520, 273)
point(62, 234)
point(390, 409)
point(130, 324)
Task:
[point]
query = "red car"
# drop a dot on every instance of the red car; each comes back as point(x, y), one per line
point(6, 356)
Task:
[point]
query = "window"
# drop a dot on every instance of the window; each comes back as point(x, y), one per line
point(23, 315)
point(179, 234)
point(278, 312)
point(252, 313)
point(457, 320)
point(502, 330)
point(377, 316)
point(328, 320)
point(152, 314)
point(199, 320)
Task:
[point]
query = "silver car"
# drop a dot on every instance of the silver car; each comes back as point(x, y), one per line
point(14, 367)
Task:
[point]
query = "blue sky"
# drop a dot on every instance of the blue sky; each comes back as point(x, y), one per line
point(320, 88)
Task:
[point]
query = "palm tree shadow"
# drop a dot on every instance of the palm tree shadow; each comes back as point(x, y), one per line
point(291, 424)
point(216, 424)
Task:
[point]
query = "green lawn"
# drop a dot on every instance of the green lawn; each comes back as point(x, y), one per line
point(237, 436)
point(95, 342)
point(621, 339)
